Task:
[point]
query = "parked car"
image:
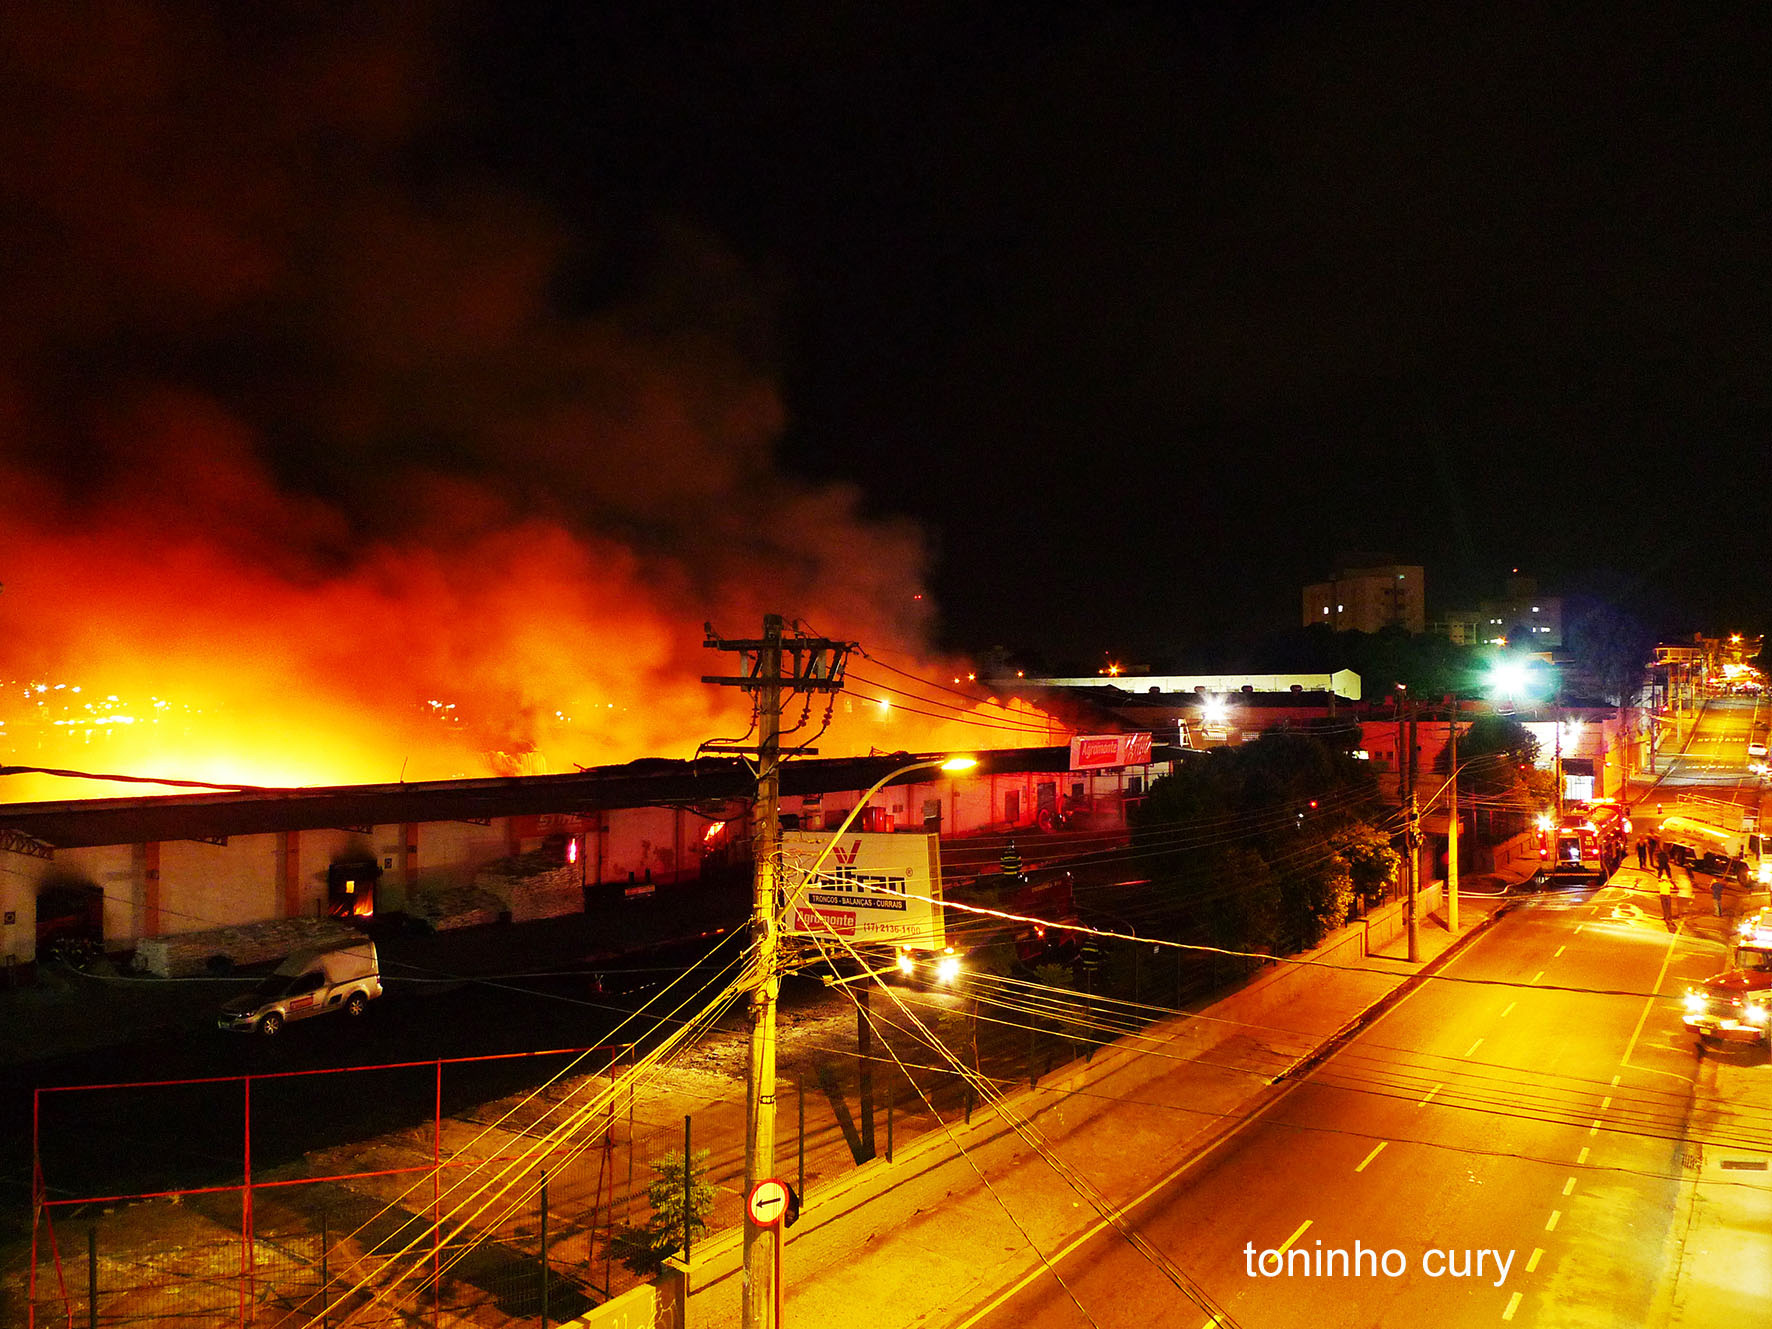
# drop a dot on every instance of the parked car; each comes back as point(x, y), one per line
point(346, 978)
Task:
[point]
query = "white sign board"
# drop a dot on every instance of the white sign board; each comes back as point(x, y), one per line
point(871, 887)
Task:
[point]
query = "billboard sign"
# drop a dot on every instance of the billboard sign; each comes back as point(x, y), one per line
point(863, 890)
point(1094, 752)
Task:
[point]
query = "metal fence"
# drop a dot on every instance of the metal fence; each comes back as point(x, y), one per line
point(236, 1211)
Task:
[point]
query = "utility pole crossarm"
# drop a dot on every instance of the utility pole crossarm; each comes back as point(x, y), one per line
point(804, 664)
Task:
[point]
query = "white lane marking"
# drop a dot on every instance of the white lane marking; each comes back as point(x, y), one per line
point(1473, 1047)
point(1513, 1304)
point(1510, 1009)
point(1369, 1157)
point(1606, 1102)
point(1569, 1186)
point(1429, 1094)
point(1580, 926)
point(1287, 1244)
point(1593, 1128)
point(1636, 1033)
point(1582, 1156)
point(1551, 1223)
point(1560, 950)
point(1538, 975)
point(1615, 1082)
point(1537, 1255)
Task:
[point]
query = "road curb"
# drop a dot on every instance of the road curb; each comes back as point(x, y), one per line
point(1329, 1046)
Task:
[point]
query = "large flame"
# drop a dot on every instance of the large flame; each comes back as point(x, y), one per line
point(310, 475)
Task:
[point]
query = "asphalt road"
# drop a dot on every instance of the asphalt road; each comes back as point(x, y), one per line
point(1542, 1112)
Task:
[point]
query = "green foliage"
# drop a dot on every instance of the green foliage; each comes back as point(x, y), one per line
point(1508, 744)
point(1372, 864)
point(1266, 844)
point(644, 1249)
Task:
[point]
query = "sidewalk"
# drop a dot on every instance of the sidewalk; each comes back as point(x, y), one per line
point(920, 1239)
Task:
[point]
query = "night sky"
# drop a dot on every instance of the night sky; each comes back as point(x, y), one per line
point(474, 356)
point(1147, 312)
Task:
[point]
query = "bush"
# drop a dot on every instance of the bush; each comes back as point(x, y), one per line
point(645, 1249)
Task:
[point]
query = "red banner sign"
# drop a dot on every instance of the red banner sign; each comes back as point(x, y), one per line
point(1091, 752)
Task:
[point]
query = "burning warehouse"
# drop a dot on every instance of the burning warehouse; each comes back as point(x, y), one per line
point(180, 881)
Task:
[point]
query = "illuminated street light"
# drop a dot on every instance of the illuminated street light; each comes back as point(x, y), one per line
point(952, 765)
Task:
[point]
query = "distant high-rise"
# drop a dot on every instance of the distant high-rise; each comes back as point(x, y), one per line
point(1520, 617)
point(1366, 598)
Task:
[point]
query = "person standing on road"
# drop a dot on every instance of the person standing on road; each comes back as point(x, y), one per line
point(1654, 848)
point(1667, 897)
point(1661, 864)
point(1643, 853)
point(1716, 892)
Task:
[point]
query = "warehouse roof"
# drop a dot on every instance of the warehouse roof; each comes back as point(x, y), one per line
point(647, 782)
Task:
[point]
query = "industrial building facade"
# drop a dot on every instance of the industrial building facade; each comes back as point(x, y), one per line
point(127, 870)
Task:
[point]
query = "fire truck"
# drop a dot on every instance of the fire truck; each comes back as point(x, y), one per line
point(1587, 843)
point(1732, 1006)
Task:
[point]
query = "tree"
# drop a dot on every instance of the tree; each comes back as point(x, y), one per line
point(644, 1249)
point(1372, 864)
point(1246, 841)
point(1510, 747)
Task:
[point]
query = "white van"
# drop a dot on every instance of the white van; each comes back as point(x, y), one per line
point(346, 978)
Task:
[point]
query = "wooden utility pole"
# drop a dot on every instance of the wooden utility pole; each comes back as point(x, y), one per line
point(812, 664)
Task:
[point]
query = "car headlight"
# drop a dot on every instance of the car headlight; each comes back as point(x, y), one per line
point(905, 963)
point(947, 969)
point(1694, 1002)
point(1755, 1013)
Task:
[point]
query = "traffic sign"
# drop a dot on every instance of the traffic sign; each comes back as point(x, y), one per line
point(767, 1202)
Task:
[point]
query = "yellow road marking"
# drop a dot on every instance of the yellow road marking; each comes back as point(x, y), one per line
point(1374, 1154)
point(1513, 1304)
point(1532, 1263)
point(1429, 1094)
point(1287, 1244)
point(1551, 1223)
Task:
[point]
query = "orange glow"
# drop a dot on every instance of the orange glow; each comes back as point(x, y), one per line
point(423, 520)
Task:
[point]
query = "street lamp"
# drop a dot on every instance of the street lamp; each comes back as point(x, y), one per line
point(950, 764)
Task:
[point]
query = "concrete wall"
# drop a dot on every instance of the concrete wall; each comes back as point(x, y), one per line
point(19, 874)
point(1285, 982)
